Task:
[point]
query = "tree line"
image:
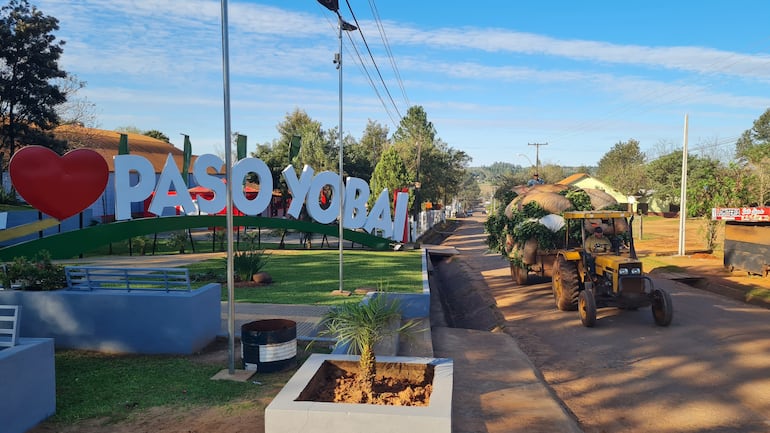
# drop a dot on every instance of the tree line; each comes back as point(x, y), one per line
point(714, 179)
point(413, 158)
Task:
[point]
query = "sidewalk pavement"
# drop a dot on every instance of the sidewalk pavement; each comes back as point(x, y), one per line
point(497, 389)
point(307, 317)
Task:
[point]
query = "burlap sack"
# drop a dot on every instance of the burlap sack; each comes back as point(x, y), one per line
point(549, 201)
point(520, 189)
point(621, 225)
point(549, 187)
point(600, 199)
point(513, 206)
point(529, 252)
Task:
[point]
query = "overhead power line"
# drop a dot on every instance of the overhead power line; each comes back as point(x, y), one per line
point(371, 56)
point(384, 37)
point(365, 71)
point(362, 66)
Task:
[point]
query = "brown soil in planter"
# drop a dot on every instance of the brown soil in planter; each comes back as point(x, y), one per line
point(396, 384)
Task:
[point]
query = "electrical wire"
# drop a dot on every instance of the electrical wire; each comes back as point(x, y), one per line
point(365, 71)
point(382, 80)
point(361, 65)
point(386, 44)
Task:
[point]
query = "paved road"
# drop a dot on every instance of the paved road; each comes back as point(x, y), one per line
point(708, 372)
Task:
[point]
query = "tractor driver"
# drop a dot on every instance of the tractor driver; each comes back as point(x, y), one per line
point(597, 243)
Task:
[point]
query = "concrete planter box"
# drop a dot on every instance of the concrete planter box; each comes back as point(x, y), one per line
point(28, 384)
point(285, 414)
point(139, 321)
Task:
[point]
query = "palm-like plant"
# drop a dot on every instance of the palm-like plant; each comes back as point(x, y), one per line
point(361, 326)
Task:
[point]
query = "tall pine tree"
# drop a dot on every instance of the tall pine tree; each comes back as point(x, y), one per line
point(29, 56)
point(389, 173)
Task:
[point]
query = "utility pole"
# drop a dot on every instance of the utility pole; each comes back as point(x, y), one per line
point(537, 154)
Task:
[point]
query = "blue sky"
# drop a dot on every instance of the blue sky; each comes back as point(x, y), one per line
point(492, 76)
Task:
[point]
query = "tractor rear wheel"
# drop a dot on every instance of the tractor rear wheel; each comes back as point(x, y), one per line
point(662, 307)
point(565, 284)
point(587, 308)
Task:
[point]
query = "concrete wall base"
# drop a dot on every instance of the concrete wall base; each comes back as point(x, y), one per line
point(28, 384)
point(120, 321)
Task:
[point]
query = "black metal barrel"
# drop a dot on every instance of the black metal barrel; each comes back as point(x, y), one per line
point(269, 345)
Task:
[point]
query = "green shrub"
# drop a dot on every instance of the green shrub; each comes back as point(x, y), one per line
point(139, 244)
point(248, 263)
point(8, 197)
point(37, 273)
point(178, 241)
point(219, 237)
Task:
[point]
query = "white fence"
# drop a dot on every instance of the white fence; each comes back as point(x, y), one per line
point(424, 221)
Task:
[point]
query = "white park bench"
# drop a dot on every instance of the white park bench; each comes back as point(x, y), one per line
point(9, 325)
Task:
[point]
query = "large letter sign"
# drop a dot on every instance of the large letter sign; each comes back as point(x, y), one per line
point(313, 204)
point(215, 184)
point(305, 190)
point(169, 177)
point(125, 193)
point(240, 170)
point(356, 195)
point(86, 172)
point(297, 187)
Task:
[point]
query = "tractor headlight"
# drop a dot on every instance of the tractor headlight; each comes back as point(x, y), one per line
point(636, 271)
point(623, 271)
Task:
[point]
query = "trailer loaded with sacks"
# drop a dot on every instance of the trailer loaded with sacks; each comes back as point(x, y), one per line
point(528, 231)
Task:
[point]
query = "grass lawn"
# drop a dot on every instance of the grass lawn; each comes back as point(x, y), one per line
point(309, 276)
point(113, 387)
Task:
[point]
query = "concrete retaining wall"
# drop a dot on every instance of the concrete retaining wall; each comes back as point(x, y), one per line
point(27, 384)
point(148, 322)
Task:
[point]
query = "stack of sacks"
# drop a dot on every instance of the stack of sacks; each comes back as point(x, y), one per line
point(547, 197)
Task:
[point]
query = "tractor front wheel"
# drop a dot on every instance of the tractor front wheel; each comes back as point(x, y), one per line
point(587, 308)
point(662, 307)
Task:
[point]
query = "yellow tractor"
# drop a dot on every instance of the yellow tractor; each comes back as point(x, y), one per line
point(589, 274)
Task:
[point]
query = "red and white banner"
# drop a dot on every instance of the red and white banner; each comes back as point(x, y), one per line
point(741, 213)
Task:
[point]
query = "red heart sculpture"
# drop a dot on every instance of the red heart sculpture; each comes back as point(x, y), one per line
point(60, 186)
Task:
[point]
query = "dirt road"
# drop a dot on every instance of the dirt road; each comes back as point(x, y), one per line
point(708, 371)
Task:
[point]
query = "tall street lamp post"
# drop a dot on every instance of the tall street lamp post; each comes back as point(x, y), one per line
point(417, 198)
point(229, 190)
point(333, 5)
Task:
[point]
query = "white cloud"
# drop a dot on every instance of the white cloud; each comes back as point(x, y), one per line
point(165, 55)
